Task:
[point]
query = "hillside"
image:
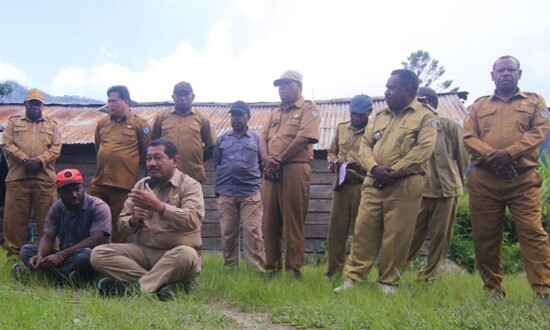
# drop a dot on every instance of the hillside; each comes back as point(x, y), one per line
point(19, 92)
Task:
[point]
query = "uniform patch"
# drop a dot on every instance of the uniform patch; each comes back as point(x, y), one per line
point(57, 131)
point(314, 113)
point(129, 126)
point(377, 136)
point(146, 130)
point(435, 124)
point(544, 114)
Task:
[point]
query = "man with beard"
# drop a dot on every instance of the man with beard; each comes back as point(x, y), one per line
point(189, 130)
point(31, 144)
point(445, 171)
point(80, 221)
point(238, 178)
point(120, 142)
point(165, 211)
point(286, 148)
point(394, 150)
point(502, 133)
point(344, 151)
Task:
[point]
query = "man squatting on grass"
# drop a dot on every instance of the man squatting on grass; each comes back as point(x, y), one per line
point(80, 221)
point(165, 210)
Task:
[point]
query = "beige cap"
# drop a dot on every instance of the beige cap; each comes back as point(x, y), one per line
point(35, 94)
point(288, 75)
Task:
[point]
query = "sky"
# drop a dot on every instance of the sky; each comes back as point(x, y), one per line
point(234, 49)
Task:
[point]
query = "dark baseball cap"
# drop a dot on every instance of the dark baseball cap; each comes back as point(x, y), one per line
point(360, 104)
point(240, 106)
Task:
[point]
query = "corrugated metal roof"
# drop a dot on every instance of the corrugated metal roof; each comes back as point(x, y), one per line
point(78, 122)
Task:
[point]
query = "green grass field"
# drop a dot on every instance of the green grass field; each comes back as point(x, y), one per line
point(455, 301)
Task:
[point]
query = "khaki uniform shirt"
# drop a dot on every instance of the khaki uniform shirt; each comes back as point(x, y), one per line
point(402, 141)
point(24, 139)
point(181, 222)
point(345, 147)
point(448, 164)
point(120, 148)
point(191, 133)
point(519, 126)
point(283, 125)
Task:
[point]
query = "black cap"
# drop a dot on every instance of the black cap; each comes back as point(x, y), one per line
point(240, 106)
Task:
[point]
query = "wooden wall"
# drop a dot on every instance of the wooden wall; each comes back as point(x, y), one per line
point(83, 159)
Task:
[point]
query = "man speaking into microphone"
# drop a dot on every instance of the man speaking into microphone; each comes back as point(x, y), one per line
point(165, 211)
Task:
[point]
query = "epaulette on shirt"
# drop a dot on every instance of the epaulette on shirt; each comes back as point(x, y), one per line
point(482, 97)
point(344, 123)
point(428, 107)
point(15, 116)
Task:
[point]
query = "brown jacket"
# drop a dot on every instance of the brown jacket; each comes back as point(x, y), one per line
point(284, 124)
point(448, 164)
point(24, 139)
point(182, 219)
point(191, 133)
point(120, 148)
point(403, 142)
point(345, 147)
point(519, 126)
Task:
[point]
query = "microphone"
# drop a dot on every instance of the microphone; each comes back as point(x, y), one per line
point(150, 182)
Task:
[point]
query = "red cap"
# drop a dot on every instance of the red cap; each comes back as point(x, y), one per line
point(68, 176)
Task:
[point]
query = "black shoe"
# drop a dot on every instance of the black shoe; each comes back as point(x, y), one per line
point(109, 287)
point(17, 270)
point(166, 292)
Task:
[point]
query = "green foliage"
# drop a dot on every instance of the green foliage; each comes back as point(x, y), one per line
point(454, 301)
point(544, 172)
point(428, 70)
point(5, 89)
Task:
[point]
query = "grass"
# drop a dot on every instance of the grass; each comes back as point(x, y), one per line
point(455, 301)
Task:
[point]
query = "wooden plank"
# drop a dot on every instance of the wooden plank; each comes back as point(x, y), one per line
point(212, 216)
point(311, 245)
point(317, 191)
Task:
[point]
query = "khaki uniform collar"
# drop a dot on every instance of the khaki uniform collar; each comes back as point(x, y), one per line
point(298, 104)
point(192, 111)
point(519, 93)
point(24, 117)
point(355, 131)
point(413, 106)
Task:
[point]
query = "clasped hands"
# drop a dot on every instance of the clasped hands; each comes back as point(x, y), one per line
point(144, 202)
point(382, 176)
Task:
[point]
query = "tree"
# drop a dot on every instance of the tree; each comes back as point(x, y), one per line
point(5, 89)
point(428, 70)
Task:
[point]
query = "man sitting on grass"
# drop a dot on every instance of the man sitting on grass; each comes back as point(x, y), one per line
point(165, 210)
point(80, 221)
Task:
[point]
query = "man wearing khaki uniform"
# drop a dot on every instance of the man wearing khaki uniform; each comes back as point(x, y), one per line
point(502, 133)
point(165, 211)
point(31, 144)
point(344, 151)
point(394, 150)
point(286, 150)
point(120, 142)
point(445, 171)
point(189, 130)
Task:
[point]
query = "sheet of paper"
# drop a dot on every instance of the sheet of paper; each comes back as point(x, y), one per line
point(342, 173)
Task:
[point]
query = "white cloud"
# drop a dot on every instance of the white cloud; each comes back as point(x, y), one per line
point(253, 9)
point(9, 71)
point(341, 49)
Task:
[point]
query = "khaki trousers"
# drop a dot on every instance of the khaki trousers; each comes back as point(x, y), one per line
point(115, 198)
point(22, 197)
point(152, 267)
point(285, 209)
point(489, 197)
point(247, 210)
point(345, 205)
point(436, 219)
point(384, 227)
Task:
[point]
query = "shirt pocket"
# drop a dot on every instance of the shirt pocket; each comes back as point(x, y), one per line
point(486, 119)
point(19, 133)
point(292, 126)
point(249, 154)
point(523, 115)
point(408, 133)
point(47, 136)
point(226, 147)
